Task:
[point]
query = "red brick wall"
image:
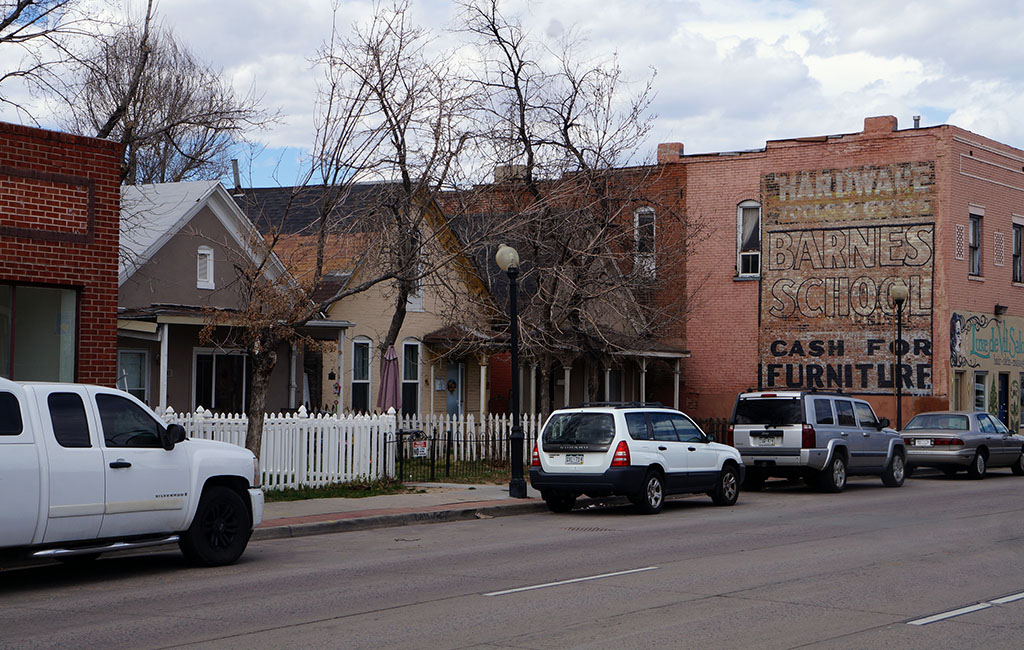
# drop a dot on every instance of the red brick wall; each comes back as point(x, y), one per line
point(59, 217)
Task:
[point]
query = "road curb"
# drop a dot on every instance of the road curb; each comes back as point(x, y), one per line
point(398, 519)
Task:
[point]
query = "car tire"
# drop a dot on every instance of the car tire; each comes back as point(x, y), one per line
point(220, 529)
point(976, 470)
point(1018, 465)
point(652, 496)
point(754, 480)
point(896, 472)
point(833, 477)
point(727, 489)
point(559, 501)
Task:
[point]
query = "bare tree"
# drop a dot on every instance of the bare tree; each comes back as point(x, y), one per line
point(391, 127)
point(593, 233)
point(178, 117)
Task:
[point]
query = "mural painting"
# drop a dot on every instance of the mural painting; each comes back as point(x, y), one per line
point(990, 349)
point(834, 242)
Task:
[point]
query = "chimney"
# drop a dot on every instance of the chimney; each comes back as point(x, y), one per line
point(504, 173)
point(917, 121)
point(234, 169)
point(669, 152)
point(879, 125)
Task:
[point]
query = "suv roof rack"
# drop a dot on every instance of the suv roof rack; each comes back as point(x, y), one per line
point(625, 405)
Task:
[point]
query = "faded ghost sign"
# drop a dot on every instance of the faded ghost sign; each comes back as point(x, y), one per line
point(834, 242)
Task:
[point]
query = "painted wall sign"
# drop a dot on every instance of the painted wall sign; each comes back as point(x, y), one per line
point(834, 242)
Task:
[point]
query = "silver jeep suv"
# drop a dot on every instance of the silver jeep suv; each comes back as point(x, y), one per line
point(819, 437)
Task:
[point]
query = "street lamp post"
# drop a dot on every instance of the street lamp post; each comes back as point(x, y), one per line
point(899, 297)
point(508, 259)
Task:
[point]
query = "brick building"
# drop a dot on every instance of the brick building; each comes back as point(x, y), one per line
point(59, 214)
point(806, 239)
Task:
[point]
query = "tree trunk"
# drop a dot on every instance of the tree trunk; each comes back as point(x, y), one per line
point(263, 365)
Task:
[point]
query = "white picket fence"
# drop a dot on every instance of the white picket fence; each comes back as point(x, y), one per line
point(303, 450)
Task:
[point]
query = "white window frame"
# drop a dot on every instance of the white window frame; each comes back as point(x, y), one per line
point(644, 262)
point(204, 268)
point(1017, 260)
point(974, 236)
point(751, 254)
point(123, 385)
point(414, 381)
point(368, 381)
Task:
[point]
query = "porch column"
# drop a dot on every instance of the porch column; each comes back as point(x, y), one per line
point(675, 385)
point(341, 372)
point(482, 362)
point(164, 334)
point(567, 373)
point(643, 379)
point(533, 388)
point(291, 376)
point(433, 369)
point(608, 383)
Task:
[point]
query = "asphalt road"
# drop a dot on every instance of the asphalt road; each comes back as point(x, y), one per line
point(868, 568)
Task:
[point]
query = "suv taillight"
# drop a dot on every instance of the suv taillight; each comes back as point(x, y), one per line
point(535, 458)
point(807, 438)
point(621, 457)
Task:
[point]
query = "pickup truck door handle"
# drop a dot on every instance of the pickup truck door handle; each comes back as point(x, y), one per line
point(662, 448)
point(692, 448)
point(119, 463)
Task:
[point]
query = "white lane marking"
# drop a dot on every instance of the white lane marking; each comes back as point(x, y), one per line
point(566, 582)
point(967, 610)
point(956, 612)
point(1008, 599)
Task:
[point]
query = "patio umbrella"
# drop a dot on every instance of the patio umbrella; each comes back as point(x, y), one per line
point(390, 395)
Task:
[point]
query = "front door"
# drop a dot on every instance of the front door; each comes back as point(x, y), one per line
point(453, 389)
point(147, 485)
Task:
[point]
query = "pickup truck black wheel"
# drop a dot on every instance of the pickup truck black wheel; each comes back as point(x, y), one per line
point(895, 473)
point(727, 489)
point(652, 497)
point(220, 530)
point(833, 477)
point(559, 501)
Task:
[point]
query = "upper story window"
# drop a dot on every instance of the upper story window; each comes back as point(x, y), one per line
point(643, 241)
point(1018, 259)
point(414, 302)
point(204, 268)
point(974, 245)
point(748, 238)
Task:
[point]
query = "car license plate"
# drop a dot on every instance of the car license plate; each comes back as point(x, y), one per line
point(922, 443)
point(574, 459)
point(766, 441)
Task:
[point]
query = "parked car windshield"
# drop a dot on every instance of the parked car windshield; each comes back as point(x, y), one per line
point(580, 428)
point(769, 411)
point(941, 421)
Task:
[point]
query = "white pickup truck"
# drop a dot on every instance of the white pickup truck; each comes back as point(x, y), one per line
point(86, 469)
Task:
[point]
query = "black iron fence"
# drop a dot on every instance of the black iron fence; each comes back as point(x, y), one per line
point(446, 455)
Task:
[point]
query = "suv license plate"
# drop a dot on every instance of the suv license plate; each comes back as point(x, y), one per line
point(574, 459)
point(766, 441)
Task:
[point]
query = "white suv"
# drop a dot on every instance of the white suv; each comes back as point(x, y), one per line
point(641, 452)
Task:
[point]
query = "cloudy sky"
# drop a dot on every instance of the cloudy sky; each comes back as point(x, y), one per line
point(730, 73)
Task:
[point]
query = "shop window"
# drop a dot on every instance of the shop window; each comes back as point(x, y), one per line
point(979, 390)
point(38, 333)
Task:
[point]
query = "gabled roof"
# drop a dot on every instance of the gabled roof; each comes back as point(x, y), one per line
point(152, 214)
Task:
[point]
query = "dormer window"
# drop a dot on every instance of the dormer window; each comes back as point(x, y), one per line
point(204, 268)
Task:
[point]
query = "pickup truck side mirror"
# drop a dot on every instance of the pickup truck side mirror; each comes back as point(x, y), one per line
point(173, 434)
point(883, 423)
point(711, 437)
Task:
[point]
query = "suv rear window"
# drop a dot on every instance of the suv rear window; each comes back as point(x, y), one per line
point(770, 411)
point(580, 428)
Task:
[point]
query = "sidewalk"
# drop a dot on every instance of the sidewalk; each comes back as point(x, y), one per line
point(432, 502)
